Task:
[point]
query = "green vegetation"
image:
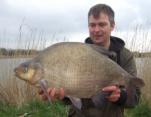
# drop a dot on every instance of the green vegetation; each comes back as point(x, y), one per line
point(141, 110)
point(34, 109)
point(44, 109)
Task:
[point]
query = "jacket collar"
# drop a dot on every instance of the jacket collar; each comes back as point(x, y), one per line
point(116, 44)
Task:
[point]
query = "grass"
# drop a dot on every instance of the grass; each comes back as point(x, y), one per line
point(34, 108)
point(141, 110)
point(37, 108)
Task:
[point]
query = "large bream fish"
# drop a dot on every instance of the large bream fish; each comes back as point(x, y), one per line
point(81, 69)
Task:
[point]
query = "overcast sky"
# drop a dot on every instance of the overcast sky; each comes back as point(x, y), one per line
point(63, 19)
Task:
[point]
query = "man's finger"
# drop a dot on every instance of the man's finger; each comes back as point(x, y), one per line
point(49, 90)
point(114, 97)
point(110, 88)
point(61, 93)
point(52, 93)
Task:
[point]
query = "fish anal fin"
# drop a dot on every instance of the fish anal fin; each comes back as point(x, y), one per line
point(76, 102)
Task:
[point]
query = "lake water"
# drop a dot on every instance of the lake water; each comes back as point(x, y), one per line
point(7, 66)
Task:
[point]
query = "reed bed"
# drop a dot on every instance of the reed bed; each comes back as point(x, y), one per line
point(13, 90)
point(144, 72)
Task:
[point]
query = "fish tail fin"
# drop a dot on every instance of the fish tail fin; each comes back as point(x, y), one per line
point(76, 102)
point(133, 87)
point(137, 82)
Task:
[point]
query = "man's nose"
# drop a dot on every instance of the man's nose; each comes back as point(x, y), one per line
point(97, 29)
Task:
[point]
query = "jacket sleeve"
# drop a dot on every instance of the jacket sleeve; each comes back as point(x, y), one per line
point(128, 63)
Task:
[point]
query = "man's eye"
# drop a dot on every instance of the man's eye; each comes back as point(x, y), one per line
point(102, 24)
point(92, 25)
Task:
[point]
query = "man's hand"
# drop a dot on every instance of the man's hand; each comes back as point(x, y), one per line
point(115, 93)
point(53, 93)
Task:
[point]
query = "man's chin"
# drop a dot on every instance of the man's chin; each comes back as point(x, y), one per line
point(100, 42)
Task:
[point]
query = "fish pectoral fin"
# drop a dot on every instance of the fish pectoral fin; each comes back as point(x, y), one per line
point(100, 99)
point(44, 85)
point(76, 102)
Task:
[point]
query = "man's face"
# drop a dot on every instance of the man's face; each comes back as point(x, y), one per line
point(100, 29)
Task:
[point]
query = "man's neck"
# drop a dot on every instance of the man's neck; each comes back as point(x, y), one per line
point(105, 45)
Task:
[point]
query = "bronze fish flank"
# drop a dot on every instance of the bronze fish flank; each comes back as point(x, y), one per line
point(81, 69)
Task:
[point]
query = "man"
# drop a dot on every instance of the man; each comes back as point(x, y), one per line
point(101, 23)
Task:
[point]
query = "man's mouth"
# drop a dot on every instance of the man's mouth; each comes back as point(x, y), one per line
point(98, 36)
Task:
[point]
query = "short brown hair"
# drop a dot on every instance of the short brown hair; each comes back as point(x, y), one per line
point(102, 8)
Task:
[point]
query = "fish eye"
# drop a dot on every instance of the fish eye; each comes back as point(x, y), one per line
point(25, 69)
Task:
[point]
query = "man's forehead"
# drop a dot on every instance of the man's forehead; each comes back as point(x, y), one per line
point(100, 15)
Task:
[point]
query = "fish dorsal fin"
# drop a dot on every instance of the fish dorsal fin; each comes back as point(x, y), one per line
point(76, 102)
point(102, 50)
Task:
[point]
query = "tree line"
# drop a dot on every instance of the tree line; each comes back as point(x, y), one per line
point(27, 52)
point(17, 52)
point(142, 54)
